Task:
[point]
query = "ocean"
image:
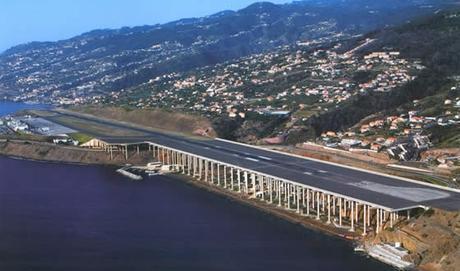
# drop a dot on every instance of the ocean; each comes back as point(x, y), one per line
point(72, 217)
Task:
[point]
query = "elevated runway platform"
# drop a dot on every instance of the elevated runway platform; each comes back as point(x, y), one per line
point(331, 192)
point(389, 192)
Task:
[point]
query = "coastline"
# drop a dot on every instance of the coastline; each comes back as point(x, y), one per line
point(404, 233)
point(49, 153)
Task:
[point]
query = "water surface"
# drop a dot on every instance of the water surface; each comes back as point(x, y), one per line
point(67, 217)
point(12, 107)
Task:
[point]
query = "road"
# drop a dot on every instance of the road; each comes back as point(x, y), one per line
point(386, 191)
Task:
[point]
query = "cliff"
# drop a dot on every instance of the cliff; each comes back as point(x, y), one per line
point(433, 238)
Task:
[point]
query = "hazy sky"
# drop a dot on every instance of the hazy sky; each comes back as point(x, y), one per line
point(48, 20)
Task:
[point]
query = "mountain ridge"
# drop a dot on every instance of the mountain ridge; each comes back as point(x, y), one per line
point(100, 61)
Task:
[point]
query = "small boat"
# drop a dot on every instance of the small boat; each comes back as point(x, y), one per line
point(130, 175)
point(360, 248)
point(152, 173)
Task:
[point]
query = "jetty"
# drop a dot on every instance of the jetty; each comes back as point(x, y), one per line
point(124, 171)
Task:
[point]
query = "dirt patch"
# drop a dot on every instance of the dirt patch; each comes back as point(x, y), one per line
point(154, 118)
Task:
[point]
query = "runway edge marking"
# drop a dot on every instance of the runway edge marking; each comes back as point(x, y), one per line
point(343, 166)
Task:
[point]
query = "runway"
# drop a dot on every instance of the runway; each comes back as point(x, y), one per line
point(389, 192)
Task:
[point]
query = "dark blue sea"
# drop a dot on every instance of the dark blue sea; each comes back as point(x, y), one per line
point(70, 217)
point(12, 107)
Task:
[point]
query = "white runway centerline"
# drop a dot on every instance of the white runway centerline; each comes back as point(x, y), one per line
point(265, 158)
point(251, 159)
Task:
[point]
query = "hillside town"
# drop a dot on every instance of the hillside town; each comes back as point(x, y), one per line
point(281, 82)
point(295, 83)
point(406, 135)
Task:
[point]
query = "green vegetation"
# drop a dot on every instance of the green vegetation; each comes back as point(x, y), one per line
point(446, 137)
point(80, 137)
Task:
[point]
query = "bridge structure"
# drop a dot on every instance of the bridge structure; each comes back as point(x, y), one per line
point(348, 198)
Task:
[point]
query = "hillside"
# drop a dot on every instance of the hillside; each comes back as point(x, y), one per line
point(165, 121)
point(86, 67)
point(435, 41)
point(297, 92)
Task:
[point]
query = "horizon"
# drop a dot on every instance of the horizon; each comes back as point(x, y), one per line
point(53, 20)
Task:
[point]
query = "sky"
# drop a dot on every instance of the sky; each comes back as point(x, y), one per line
point(24, 21)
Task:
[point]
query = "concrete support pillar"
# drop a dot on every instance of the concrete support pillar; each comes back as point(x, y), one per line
point(365, 220)
point(285, 193)
point(340, 211)
point(253, 182)
point(303, 197)
point(194, 166)
point(270, 189)
point(298, 199)
point(308, 202)
point(333, 206)
point(328, 209)
point(356, 212)
point(368, 216)
point(212, 172)
point(391, 219)
point(352, 217)
point(182, 163)
point(218, 174)
point(239, 180)
point(246, 182)
point(279, 193)
point(200, 169)
point(225, 177)
point(206, 170)
point(323, 204)
point(317, 206)
point(289, 196)
point(232, 179)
